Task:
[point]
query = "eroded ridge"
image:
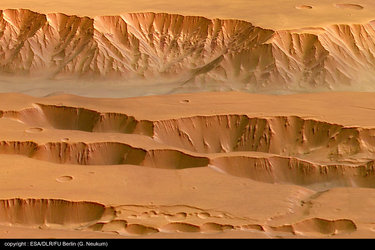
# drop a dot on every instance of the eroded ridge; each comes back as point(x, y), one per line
point(141, 220)
point(277, 169)
point(279, 149)
point(103, 153)
point(75, 118)
point(281, 135)
point(186, 49)
point(51, 212)
point(318, 226)
point(265, 168)
point(293, 149)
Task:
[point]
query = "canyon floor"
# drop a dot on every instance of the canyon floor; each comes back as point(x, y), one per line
point(187, 119)
point(201, 165)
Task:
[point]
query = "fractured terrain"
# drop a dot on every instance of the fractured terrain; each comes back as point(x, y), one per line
point(144, 158)
point(189, 152)
point(185, 53)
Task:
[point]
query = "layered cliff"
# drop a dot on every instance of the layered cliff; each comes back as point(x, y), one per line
point(185, 51)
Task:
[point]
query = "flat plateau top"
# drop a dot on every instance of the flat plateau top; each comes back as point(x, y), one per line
point(273, 14)
point(345, 108)
point(65, 168)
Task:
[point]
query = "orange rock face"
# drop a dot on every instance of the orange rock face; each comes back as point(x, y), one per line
point(183, 50)
point(141, 124)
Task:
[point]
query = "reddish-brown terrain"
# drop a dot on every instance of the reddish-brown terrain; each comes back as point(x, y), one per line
point(157, 120)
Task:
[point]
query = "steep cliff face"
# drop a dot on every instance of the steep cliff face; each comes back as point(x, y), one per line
point(180, 50)
point(38, 212)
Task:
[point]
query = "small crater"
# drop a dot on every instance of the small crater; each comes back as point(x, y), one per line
point(204, 215)
point(114, 226)
point(211, 227)
point(177, 217)
point(324, 226)
point(64, 178)
point(221, 215)
point(348, 6)
point(228, 227)
point(144, 215)
point(96, 227)
point(153, 213)
point(34, 130)
point(255, 227)
point(65, 139)
point(185, 101)
point(137, 229)
point(180, 227)
point(304, 7)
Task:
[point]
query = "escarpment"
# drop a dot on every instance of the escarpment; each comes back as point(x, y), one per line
point(280, 135)
point(159, 48)
point(139, 124)
point(274, 149)
point(50, 212)
point(283, 135)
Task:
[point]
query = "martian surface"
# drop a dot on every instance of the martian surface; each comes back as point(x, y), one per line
point(187, 119)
